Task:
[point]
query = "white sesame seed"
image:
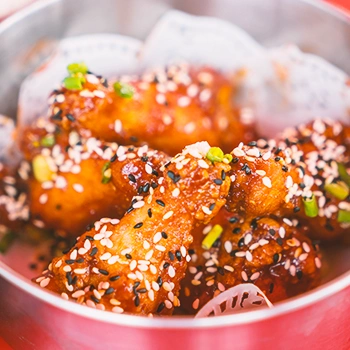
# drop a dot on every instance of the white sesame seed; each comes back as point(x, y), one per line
point(203, 164)
point(133, 265)
point(248, 238)
point(168, 304)
point(64, 296)
point(79, 271)
point(149, 254)
point(240, 254)
point(195, 282)
point(229, 268)
point(228, 247)
point(238, 152)
point(261, 172)
point(318, 262)
point(67, 268)
point(153, 269)
point(146, 245)
point(232, 178)
point(160, 248)
point(43, 198)
point(58, 263)
point(78, 294)
point(171, 271)
point(113, 260)
point(73, 255)
point(282, 232)
point(255, 276)
point(78, 188)
point(118, 310)
point(167, 286)
point(206, 210)
point(82, 251)
point(195, 304)
point(254, 246)
point(132, 276)
point(263, 242)
point(175, 193)
point(303, 256)
point(44, 283)
point(168, 215)
point(183, 251)
point(266, 181)
point(306, 247)
point(157, 237)
point(183, 101)
point(244, 276)
point(249, 256)
point(155, 286)
point(287, 221)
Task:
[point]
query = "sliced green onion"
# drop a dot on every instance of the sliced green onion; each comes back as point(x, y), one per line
point(310, 206)
point(215, 154)
point(73, 83)
point(75, 68)
point(6, 241)
point(212, 236)
point(123, 90)
point(106, 173)
point(48, 141)
point(228, 157)
point(41, 169)
point(344, 175)
point(339, 190)
point(343, 216)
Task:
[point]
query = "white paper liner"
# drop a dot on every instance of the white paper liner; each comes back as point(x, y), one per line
point(105, 54)
point(7, 144)
point(242, 297)
point(283, 86)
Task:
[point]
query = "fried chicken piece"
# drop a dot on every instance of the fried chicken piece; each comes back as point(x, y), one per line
point(130, 266)
point(74, 187)
point(167, 109)
point(291, 177)
point(278, 258)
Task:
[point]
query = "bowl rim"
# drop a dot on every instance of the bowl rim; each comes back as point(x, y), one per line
point(305, 300)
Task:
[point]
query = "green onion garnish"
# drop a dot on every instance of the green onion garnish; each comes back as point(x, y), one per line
point(343, 173)
point(106, 173)
point(41, 169)
point(73, 83)
point(75, 68)
point(310, 206)
point(212, 236)
point(339, 190)
point(343, 216)
point(228, 157)
point(123, 90)
point(215, 154)
point(6, 241)
point(48, 141)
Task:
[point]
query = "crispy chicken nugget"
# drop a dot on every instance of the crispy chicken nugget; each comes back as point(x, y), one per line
point(136, 265)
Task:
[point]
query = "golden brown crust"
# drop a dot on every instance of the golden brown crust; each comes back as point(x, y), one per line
point(141, 249)
point(169, 110)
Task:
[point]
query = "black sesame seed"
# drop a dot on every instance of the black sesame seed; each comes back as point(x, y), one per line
point(114, 278)
point(166, 265)
point(296, 209)
point(128, 256)
point(217, 243)
point(178, 255)
point(133, 139)
point(235, 160)
point(277, 159)
point(92, 287)
point(69, 277)
point(103, 272)
point(160, 307)
point(244, 166)
point(149, 212)
point(302, 185)
point(299, 274)
point(233, 220)
point(70, 261)
point(57, 116)
point(137, 301)
point(80, 260)
point(146, 188)
point(284, 168)
point(160, 281)
point(110, 290)
point(164, 235)
point(271, 287)
point(70, 117)
point(94, 250)
point(114, 158)
point(252, 143)
point(272, 232)
point(136, 284)
point(171, 256)
point(218, 181)
point(236, 230)
point(221, 270)
point(279, 241)
point(138, 225)
point(160, 202)
point(142, 290)
point(33, 266)
point(155, 172)
point(241, 242)
point(144, 158)
point(130, 210)
point(233, 253)
point(89, 228)
point(90, 238)
point(212, 206)
point(132, 178)
point(191, 251)
point(223, 175)
point(93, 298)
point(74, 280)
point(254, 224)
point(65, 251)
point(154, 185)
point(276, 258)
point(248, 171)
